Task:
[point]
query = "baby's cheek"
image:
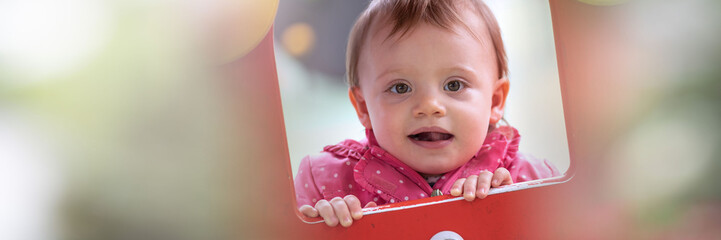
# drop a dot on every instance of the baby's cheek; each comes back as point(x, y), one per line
point(393, 144)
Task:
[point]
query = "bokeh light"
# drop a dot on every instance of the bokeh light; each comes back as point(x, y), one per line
point(298, 39)
point(238, 26)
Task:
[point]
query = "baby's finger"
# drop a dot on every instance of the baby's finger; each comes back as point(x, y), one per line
point(469, 188)
point(308, 211)
point(501, 177)
point(341, 211)
point(484, 183)
point(354, 206)
point(457, 188)
point(371, 204)
point(326, 212)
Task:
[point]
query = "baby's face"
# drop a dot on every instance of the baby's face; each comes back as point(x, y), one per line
point(429, 96)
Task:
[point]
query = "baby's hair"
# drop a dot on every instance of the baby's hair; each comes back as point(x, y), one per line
point(406, 14)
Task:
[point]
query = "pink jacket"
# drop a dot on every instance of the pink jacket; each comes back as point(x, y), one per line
point(370, 173)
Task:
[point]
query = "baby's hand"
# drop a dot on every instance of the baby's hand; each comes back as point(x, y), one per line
point(478, 185)
point(337, 209)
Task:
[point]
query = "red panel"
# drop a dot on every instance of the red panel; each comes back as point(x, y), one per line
point(567, 210)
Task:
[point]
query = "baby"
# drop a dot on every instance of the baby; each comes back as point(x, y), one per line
point(428, 81)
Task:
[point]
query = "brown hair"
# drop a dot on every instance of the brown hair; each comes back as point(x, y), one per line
point(406, 14)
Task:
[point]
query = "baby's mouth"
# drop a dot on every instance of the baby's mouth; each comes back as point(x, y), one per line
point(431, 136)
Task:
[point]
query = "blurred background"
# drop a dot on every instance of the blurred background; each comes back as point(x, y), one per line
point(310, 53)
point(113, 124)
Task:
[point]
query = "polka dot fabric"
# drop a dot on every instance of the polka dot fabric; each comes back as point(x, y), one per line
point(363, 169)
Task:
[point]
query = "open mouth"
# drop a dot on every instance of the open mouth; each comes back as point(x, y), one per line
point(431, 136)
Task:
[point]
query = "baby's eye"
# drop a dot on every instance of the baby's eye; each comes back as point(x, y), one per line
point(453, 86)
point(400, 88)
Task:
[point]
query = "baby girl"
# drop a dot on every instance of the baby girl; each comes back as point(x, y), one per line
point(428, 81)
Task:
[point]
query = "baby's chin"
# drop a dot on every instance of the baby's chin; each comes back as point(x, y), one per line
point(432, 162)
point(435, 169)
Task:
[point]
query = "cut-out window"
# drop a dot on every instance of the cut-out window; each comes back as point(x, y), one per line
point(311, 39)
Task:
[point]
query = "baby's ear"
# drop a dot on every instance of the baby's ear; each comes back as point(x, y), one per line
point(359, 103)
point(498, 100)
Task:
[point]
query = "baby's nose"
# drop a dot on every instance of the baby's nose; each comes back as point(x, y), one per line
point(429, 105)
